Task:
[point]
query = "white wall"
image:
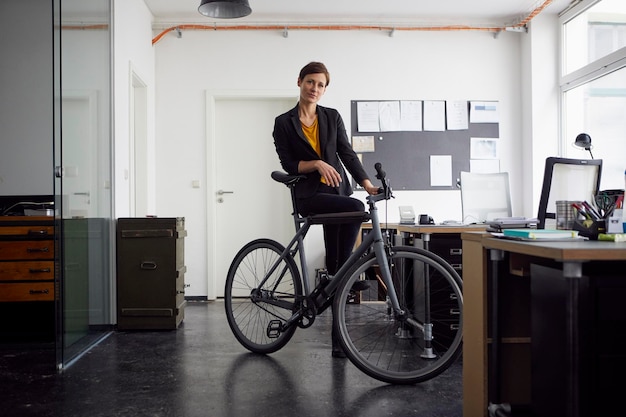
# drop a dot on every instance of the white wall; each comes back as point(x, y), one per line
point(541, 127)
point(132, 43)
point(363, 65)
point(26, 98)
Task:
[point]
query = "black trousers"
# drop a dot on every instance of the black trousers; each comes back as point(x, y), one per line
point(339, 239)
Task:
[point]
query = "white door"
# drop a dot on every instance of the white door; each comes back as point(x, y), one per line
point(248, 204)
point(80, 163)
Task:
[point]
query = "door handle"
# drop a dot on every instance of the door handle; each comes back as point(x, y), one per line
point(221, 192)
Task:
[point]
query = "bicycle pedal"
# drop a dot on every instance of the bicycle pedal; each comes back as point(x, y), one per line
point(274, 328)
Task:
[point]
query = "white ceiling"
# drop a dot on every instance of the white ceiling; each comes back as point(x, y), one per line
point(498, 13)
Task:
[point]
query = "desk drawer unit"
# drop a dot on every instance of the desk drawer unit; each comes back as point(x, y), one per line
point(150, 273)
point(27, 265)
point(448, 247)
point(26, 259)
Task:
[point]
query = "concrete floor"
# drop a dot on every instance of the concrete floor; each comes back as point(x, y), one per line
point(201, 370)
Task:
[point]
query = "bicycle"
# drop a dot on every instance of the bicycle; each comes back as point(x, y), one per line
point(411, 335)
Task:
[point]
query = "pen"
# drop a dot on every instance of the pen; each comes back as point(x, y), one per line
point(591, 210)
point(581, 211)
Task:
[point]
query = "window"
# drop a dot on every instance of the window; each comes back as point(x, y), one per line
point(593, 84)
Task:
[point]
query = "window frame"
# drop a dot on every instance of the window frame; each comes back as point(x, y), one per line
point(588, 73)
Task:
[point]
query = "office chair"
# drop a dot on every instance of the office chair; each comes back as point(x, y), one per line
point(485, 197)
point(567, 179)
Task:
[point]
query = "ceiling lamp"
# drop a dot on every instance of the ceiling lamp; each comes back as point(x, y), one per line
point(225, 9)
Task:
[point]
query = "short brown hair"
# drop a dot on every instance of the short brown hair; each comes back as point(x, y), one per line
point(314, 68)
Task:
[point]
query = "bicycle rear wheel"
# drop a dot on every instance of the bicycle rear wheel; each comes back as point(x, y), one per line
point(255, 314)
point(399, 349)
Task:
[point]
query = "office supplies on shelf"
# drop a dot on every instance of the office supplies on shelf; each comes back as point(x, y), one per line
point(608, 200)
point(540, 234)
point(590, 227)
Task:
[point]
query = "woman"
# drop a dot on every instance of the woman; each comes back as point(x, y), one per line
point(312, 140)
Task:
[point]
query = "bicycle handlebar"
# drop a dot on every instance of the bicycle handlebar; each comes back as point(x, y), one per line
point(382, 176)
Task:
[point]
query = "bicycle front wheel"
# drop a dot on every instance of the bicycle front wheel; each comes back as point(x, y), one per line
point(261, 294)
point(408, 348)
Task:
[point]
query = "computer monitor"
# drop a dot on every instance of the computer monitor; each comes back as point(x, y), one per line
point(567, 179)
point(485, 197)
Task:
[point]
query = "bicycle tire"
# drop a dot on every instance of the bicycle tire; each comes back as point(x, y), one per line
point(389, 348)
point(250, 319)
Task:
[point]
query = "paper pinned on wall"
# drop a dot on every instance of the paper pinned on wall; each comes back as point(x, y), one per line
point(411, 115)
point(484, 148)
point(484, 112)
point(389, 116)
point(363, 144)
point(457, 117)
point(434, 116)
point(367, 116)
point(441, 170)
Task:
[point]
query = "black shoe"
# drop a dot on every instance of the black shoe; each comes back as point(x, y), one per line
point(360, 285)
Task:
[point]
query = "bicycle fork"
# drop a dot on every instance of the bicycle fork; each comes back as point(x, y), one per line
point(427, 326)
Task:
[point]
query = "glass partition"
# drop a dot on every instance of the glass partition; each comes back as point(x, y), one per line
point(83, 174)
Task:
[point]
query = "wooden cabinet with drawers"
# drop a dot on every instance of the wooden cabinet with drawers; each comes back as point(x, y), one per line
point(26, 259)
point(27, 262)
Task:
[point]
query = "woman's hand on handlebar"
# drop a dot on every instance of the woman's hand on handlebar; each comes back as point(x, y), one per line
point(370, 188)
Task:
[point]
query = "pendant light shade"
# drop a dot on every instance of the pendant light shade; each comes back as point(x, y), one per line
point(225, 9)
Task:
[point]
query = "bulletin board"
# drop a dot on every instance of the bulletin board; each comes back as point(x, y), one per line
point(410, 158)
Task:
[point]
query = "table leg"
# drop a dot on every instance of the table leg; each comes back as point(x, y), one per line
point(572, 271)
point(496, 257)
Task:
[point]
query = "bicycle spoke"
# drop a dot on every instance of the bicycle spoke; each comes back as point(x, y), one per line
point(255, 301)
point(395, 348)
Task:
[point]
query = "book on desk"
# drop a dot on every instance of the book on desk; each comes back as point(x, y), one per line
point(540, 234)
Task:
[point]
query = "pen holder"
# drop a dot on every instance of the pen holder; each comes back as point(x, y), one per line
point(590, 228)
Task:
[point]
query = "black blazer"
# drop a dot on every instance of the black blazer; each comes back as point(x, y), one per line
point(293, 147)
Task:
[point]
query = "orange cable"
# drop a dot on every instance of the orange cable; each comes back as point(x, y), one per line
point(352, 27)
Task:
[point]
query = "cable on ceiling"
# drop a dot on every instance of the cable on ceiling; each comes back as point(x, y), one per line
point(519, 27)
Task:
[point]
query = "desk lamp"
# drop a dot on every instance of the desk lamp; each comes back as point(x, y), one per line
point(583, 140)
point(225, 9)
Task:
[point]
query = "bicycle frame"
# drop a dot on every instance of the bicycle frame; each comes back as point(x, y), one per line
point(393, 336)
point(374, 240)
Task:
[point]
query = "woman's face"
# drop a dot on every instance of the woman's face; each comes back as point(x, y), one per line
point(312, 87)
